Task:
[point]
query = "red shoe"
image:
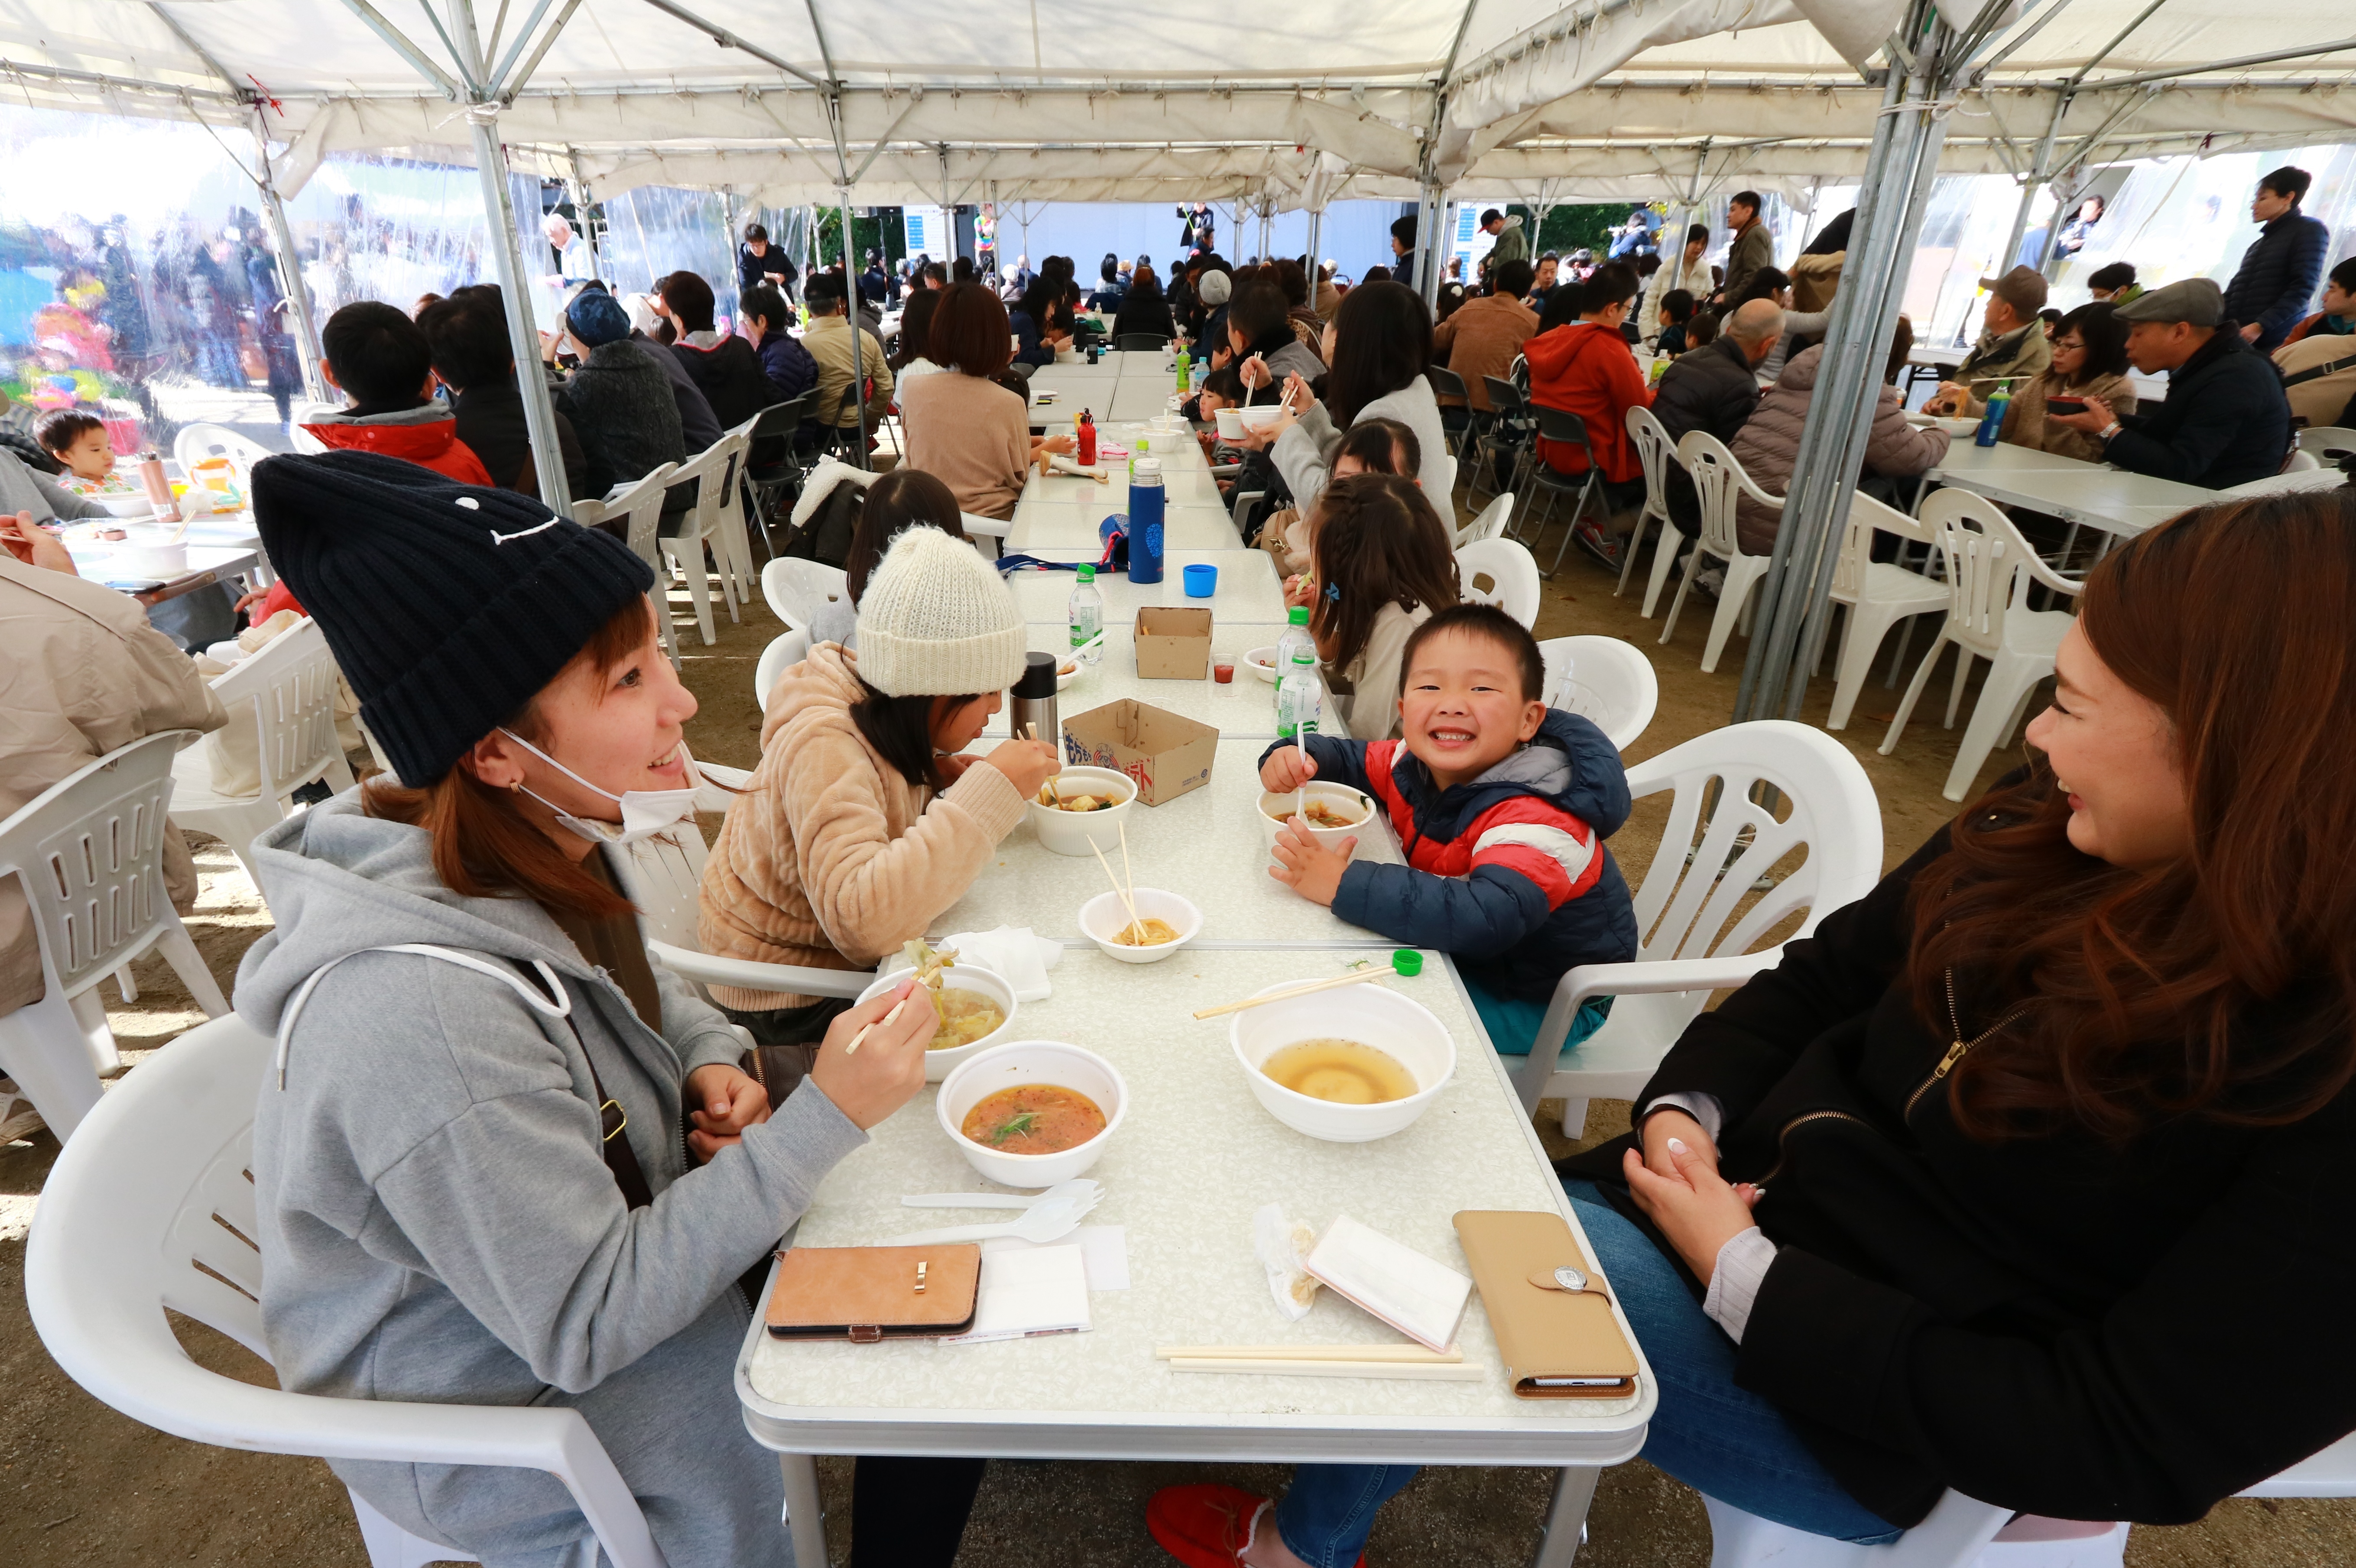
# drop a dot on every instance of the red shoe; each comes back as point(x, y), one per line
point(1206, 1526)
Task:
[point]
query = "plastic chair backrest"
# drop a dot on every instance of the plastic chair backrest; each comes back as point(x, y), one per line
point(2300, 460)
point(1445, 383)
point(290, 684)
point(776, 420)
point(639, 502)
point(1139, 342)
point(2329, 442)
point(1866, 518)
point(660, 875)
point(716, 463)
point(89, 852)
point(1988, 566)
point(1690, 911)
point(1506, 398)
point(785, 651)
point(1491, 523)
point(198, 441)
point(1653, 450)
point(1512, 572)
point(1610, 682)
point(1718, 474)
point(1564, 428)
point(796, 588)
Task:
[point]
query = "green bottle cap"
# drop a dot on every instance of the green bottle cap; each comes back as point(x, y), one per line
point(1087, 574)
point(1407, 962)
point(1298, 615)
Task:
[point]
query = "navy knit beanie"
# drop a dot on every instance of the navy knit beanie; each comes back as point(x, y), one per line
point(448, 606)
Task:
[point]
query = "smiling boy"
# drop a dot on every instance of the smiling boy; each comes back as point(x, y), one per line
point(1503, 804)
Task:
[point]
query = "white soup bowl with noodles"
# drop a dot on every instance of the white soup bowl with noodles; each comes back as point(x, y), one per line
point(1321, 1025)
point(992, 987)
point(1030, 1065)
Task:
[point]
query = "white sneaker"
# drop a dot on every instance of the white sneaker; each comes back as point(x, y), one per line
point(1710, 581)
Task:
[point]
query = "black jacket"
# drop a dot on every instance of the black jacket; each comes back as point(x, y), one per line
point(491, 424)
point(1712, 388)
point(2048, 1324)
point(1139, 313)
point(752, 269)
point(731, 377)
point(2224, 422)
point(2277, 276)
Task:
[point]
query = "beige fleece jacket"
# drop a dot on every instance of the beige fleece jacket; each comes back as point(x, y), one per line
point(830, 859)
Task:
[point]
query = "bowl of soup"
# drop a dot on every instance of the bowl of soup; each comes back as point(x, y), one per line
point(1164, 923)
point(1347, 1065)
point(976, 1009)
point(1032, 1112)
point(1089, 803)
point(1330, 811)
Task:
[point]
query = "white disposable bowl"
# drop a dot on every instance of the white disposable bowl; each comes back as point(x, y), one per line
point(1078, 669)
point(1031, 1061)
point(939, 1064)
point(1260, 416)
point(1274, 807)
point(1261, 662)
point(1103, 916)
point(133, 559)
point(127, 504)
point(1073, 832)
point(1230, 422)
point(1367, 1014)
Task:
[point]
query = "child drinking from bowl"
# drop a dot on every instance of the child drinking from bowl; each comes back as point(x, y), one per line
point(1380, 565)
point(863, 822)
point(1503, 804)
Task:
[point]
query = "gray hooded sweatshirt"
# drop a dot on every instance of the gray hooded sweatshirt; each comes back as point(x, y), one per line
point(438, 1223)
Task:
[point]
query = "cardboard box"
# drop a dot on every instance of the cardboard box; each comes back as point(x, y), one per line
point(1163, 755)
point(1174, 643)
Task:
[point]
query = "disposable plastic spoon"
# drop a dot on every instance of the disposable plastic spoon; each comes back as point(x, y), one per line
point(1043, 1222)
point(1082, 1186)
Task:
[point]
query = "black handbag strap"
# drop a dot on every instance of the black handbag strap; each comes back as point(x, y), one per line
point(620, 1158)
point(2317, 372)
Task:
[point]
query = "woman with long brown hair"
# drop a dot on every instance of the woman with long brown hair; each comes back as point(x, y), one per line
point(1381, 563)
point(502, 1160)
point(2026, 1175)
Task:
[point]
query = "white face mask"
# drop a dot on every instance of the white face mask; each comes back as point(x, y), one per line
point(645, 812)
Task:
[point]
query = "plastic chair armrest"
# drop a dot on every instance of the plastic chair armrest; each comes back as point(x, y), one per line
point(1626, 980)
point(721, 784)
point(747, 974)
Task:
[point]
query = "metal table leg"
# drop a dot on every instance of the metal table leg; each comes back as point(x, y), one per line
point(1574, 1488)
point(807, 1520)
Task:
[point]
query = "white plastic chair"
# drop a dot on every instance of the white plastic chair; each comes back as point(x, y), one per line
point(2298, 476)
point(1490, 524)
point(639, 504)
point(715, 468)
point(150, 1209)
point(2300, 460)
point(1603, 679)
point(1991, 569)
point(1875, 595)
point(88, 853)
point(795, 590)
point(1718, 476)
point(728, 524)
point(1656, 452)
point(198, 441)
point(289, 688)
point(662, 875)
point(2330, 442)
point(785, 650)
point(1691, 941)
point(1513, 572)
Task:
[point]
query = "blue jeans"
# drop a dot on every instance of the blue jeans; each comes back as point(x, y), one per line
point(1724, 1442)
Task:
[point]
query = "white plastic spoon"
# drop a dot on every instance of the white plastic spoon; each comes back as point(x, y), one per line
point(1042, 1222)
point(1079, 1184)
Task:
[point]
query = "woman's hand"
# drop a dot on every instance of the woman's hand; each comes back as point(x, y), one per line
point(1300, 591)
point(1308, 868)
point(730, 1102)
point(1287, 770)
point(1026, 763)
point(1255, 373)
point(1061, 445)
point(1668, 1121)
point(1696, 1211)
point(1252, 439)
point(2094, 421)
point(33, 545)
point(888, 1068)
point(1296, 395)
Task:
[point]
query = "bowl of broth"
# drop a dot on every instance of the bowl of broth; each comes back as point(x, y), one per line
point(1169, 924)
point(1333, 812)
point(1091, 803)
point(1347, 1066)
point(1032, 1112)
point(976, 1007)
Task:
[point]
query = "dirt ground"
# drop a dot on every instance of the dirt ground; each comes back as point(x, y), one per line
point(81, 1485)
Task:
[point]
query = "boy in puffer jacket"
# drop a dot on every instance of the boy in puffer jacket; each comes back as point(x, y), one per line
point(1503, 804)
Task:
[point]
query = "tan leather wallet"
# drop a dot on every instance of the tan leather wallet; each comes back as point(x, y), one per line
point(866, 1294)
point(1558, 1343)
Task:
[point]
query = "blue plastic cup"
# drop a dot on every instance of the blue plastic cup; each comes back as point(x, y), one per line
point(1202, 581)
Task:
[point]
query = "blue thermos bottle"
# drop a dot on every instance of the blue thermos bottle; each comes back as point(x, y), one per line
point(1145, 550)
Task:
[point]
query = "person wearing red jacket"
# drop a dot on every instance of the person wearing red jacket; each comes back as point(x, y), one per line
point(1583, 366)
point(379, 357)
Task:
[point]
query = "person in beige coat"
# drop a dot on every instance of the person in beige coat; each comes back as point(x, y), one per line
point(2090, 360)
point(84, 675)
point(864, 821)
point(1770, 438)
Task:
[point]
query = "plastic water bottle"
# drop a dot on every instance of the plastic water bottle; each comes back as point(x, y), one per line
point(1298, 696)
point(1293, 638)
point(1086, 617)
point(1202, 374)
point(1992, 421)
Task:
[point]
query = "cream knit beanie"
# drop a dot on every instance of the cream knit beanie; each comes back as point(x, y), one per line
point(937, 620)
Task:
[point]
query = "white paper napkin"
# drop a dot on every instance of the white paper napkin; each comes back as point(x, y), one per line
point(1413, 1294)
point(1036, 1290)
point(1014, 951)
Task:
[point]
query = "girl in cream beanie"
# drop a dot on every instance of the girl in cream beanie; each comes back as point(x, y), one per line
point(937, 620)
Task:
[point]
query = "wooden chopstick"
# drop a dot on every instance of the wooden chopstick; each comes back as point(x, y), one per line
point(1411, 1354)
point(852, 1049)
point(1127, 902)
point(1296, 991)
point(1405, 1371)
point(1121, 824)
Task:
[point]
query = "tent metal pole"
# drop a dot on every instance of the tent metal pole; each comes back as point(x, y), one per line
point(289, 269)
point(1895, 189)
point(582, 203)
point(2039, 172)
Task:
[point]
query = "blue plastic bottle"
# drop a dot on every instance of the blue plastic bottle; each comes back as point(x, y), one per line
point(1145, 498)
point(1992, 421)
